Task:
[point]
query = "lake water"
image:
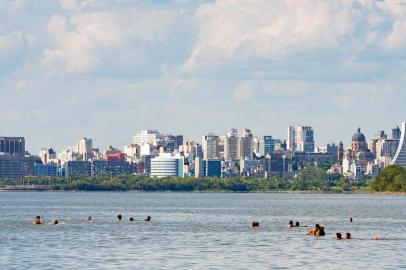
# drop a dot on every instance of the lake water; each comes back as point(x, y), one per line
point(200, 231)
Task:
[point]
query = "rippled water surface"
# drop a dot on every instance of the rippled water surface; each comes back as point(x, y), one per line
point(200, 231)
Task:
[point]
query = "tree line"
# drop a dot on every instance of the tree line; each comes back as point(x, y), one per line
point(309, 179)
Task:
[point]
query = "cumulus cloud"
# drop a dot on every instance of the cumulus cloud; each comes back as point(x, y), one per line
point(306, 60)
point(313, 36)
point(126, 40)
point(243, 91)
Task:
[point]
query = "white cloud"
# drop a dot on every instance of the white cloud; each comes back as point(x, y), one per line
point(11, 43)
point(306, 60)
point(397, 38)
point(282, 35)
point(85, 41)
point(243, 91)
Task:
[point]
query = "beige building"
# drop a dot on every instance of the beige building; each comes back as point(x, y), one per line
point(231, 146)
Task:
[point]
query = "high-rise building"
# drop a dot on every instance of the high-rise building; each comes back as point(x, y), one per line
point(67, 155)
point(47, 155)
point(172, 142)
point(386, 148)
point(207, 168)
point(12, 145)
point(396, 133)
point(210, 146)
point(132, 152)
point(246, 145)
point(400, 156)
point(231, 145)
point(266, 145)
point(167, 165)
point(198, 150)
point(84, 147)
point(340, 152)
point(151, 137)
point(300, 139)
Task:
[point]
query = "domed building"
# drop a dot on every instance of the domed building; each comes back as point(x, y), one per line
point(359, 155)
point(359, 143)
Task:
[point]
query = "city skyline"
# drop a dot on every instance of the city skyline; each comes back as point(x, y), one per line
point(97, 145)
point(65, 143)
point(107, 69)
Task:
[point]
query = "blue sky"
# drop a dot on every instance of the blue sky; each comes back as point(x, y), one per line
point(108, 69)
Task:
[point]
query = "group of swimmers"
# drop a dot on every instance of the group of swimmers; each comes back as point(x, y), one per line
point(317, 231)
point(38, 220)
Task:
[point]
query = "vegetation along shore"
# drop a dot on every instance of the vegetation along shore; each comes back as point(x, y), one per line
point(391, 180)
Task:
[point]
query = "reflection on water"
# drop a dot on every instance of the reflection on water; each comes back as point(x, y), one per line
point(200, 231)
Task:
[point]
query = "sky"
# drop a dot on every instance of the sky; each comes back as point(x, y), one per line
point(107, 69)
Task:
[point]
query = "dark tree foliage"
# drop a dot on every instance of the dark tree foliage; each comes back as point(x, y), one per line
point(309, 179)
point(392, 179)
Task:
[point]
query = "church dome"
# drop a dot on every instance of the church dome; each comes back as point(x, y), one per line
point(358, 137)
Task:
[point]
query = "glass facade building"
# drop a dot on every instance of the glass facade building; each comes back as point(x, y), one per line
point(400, 157)
point(12, 145)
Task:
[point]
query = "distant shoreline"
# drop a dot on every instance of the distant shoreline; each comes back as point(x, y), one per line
point(10, 189)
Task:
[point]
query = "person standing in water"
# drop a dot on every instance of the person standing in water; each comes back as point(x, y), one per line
point(38, 220)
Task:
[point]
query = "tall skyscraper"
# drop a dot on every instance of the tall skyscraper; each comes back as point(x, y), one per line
point(210, 146)
point(231, 146)
point(400, 156)
point(300, 139)
point(245, 145)
point(12, 145)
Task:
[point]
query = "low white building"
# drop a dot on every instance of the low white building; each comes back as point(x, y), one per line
point(166, 165)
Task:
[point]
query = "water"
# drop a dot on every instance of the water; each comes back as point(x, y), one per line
point(200, 231)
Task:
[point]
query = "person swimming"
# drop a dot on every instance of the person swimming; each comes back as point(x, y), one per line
point(131, 219)
point(148, 218)
point(297, 224)
point(347, 236)
point(313, 230)
point(88, 219)
point(321, 232)
point(350, 219)
point(255, 224)
point(38, 220)
point(339, 236)
point(317, 231)
point(120, 218)
point(55, 222)
point(290, 225)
